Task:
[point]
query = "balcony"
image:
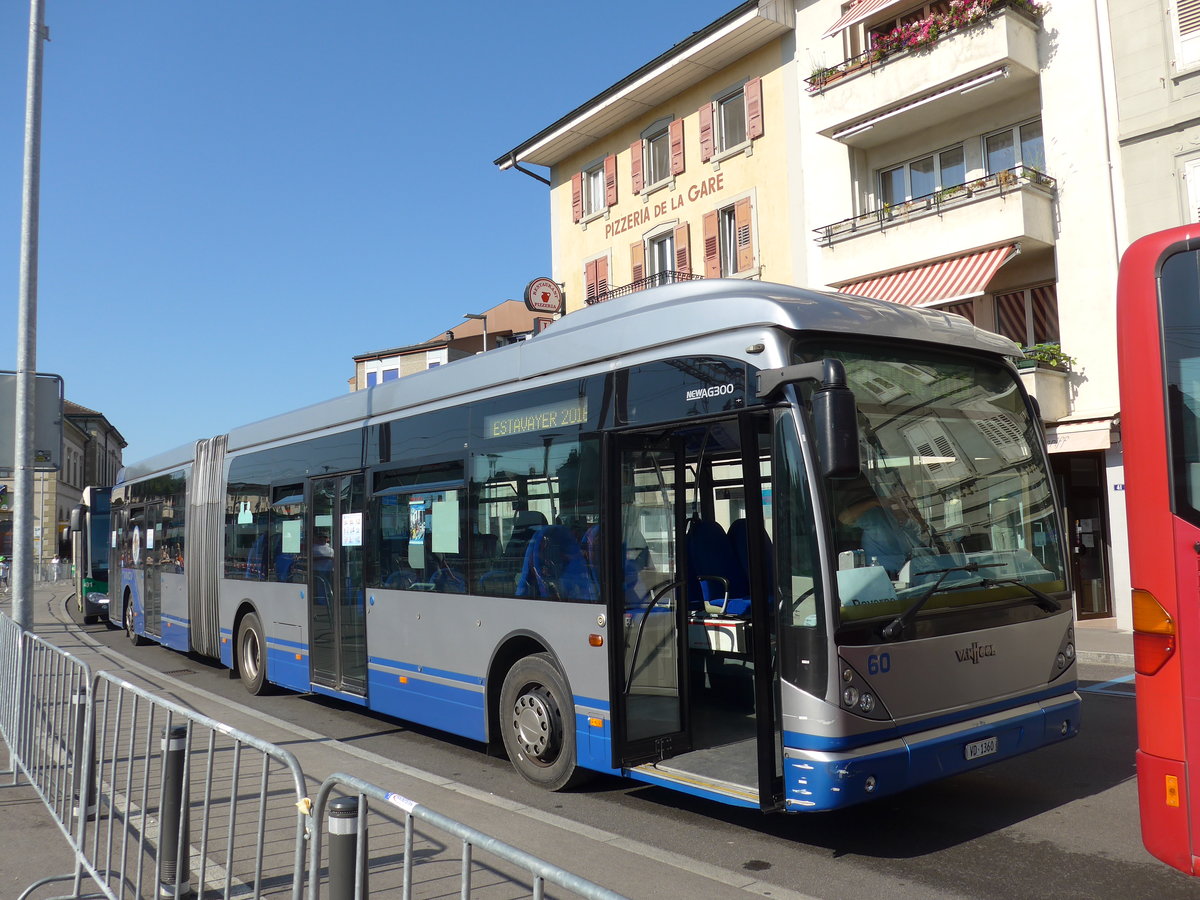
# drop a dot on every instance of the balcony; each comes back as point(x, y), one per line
point(658, 279)
point(885, 94)
point(1010, 206)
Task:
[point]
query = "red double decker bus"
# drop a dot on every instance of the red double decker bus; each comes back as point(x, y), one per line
point(1158, 328)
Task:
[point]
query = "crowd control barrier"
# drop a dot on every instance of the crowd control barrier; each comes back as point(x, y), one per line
point(351, 875)
point(159, 801)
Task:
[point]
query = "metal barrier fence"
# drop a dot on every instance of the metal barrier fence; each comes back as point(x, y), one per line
point(350, 874)
point(158, 800)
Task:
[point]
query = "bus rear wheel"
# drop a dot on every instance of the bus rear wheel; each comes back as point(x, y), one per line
point(537, 723)
point(252, 655)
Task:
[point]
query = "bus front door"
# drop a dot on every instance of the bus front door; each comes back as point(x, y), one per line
point(648, 614)
point(336, 599)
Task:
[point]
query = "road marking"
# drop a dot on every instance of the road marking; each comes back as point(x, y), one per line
point(1113, 688)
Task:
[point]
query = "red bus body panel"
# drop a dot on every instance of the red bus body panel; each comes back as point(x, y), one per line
point(1163, 556)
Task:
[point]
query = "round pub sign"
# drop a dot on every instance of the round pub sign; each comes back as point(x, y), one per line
point(543, 295)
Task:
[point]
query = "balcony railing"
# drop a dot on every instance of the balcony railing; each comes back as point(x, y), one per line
point(994, 185)
point(916, 35)
point(650, 281)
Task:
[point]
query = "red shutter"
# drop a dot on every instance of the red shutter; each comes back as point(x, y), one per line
point(610, 180)
point(576, 196)
point(589, 281)
point(683, 253)
point(754, 108)
point(712, 245)
point(744, 236)
point(637, 260)
point(706, 132)
point(635, 165)
point(602, 278)
point(677, 147)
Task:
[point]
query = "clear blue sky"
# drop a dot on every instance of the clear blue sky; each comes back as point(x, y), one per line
point(240, 195)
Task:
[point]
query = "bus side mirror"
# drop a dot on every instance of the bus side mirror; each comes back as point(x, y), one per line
point(77, 516)
point(835, 416)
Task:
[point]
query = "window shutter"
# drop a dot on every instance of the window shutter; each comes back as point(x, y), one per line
point(637, 258)
point(589, 278)
point(1187, 13)
point(610, 180)
point(635, 165)
point(683, 253)
point(754, 108)
point(677, 147)
point(576, 196)
point(602, 278)
point(712, 245)
point(745, 235)
point(706, 132)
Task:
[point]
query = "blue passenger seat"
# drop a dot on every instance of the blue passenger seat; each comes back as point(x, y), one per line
point(717, 582)
point(554, 567)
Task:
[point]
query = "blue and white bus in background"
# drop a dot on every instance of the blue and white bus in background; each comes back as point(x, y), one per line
point(778, 548)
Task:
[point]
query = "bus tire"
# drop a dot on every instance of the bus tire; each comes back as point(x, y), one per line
point(537, 723)
point(134, 638)
point(252, 655)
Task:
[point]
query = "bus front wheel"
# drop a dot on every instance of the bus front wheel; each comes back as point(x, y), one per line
point(252, 655)
point(537, 722)
point(130, 629)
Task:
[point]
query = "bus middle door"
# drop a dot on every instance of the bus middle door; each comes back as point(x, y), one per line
point(336, 599)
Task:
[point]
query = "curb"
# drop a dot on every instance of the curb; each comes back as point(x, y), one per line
point(1105, 658)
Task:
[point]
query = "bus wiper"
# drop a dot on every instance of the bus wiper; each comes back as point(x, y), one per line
point(1043, 600)
point(894, 628)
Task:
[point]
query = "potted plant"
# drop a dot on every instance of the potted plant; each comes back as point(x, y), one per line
point(1047, 355)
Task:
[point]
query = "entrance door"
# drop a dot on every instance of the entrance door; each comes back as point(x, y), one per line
point(648, 613)
point(1081, 484)
point(692, 626)
point(336, 599)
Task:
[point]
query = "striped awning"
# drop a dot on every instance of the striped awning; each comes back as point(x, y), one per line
point(857, 12)
point(957, 278)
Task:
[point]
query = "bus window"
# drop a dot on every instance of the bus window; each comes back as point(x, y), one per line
point(421, 512)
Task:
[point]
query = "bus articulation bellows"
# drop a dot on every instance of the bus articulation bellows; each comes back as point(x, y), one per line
point(779, 548)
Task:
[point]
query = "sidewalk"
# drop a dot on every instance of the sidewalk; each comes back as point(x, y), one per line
point(1097, 641)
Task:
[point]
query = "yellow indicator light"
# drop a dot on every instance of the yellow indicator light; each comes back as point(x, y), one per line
point(596, 723)
point(1172, 791)
point(404, 679)
point(1149, 617)
point(596, 640)
point(224, 640)
point(299, 656)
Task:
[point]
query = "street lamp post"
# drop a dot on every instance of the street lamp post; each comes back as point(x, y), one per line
point(483, 318)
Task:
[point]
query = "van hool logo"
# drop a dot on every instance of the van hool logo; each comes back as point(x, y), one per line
point(975, 652)
point(717, 390)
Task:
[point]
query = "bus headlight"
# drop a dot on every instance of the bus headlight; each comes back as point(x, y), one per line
point(866, 703)
point(850, 696)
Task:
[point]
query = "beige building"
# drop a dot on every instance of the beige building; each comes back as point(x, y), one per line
point(961, 155)
point(501, 324)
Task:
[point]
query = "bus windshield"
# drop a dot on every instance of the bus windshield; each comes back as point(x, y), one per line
point(952, 506)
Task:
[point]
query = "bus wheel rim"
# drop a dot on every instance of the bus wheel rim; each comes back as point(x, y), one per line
point(536, 724)
point(250, 653)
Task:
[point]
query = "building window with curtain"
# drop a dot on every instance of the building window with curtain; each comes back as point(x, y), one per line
point(1028, 316)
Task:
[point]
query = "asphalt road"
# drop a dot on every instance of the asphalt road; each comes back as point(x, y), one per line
point(1061, 822)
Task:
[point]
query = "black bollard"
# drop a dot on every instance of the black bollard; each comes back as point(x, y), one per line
point(345, 852)
point(173, 831)
point(80, 760)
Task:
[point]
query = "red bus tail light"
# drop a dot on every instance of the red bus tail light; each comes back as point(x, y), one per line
point(1153, 633)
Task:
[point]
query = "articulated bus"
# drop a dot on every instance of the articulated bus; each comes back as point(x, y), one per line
point(777, 548)
point(1158, 325)
point(90, 538)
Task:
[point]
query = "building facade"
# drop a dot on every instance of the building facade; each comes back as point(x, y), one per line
point(964, 155)
point(91, 455)
point(501, 324)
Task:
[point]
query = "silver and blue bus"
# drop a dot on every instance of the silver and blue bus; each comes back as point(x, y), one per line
point(778, 548)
